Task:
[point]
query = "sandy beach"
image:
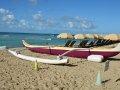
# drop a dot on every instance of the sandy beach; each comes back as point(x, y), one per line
point(78, 74)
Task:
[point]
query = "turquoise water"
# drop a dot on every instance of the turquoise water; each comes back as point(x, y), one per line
point(15, 39)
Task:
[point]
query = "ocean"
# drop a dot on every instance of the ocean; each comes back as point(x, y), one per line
point(15, 39)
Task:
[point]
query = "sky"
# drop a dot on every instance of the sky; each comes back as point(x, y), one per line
point(58, 16)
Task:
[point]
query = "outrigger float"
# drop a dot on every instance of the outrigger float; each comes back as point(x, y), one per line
point(30, 58)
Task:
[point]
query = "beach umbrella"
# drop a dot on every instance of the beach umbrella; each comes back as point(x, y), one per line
point(98, 36)
point(112, 37)
point(103, 35)
point(79, 36)
point(90, 36)
point(65, 36)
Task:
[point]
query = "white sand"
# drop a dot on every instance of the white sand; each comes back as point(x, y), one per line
point(78, 74)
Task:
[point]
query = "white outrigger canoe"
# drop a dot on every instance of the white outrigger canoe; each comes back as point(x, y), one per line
point(30, 58)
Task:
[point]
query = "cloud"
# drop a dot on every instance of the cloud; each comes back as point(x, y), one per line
point(70, 24)
point(33, 2)
point(63, 23)
point(6, 17)
point(23, 24)
point(4, 11)
point(9, 19)
point(85, 24)
point(39, 21)
point(42, 22)
point(51, 22)
point(78, 23)
point(39, 18)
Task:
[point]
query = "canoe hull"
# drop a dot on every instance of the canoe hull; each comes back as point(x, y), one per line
point(79, 54)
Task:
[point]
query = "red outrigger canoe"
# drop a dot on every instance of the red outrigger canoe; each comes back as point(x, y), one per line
point(74, 52)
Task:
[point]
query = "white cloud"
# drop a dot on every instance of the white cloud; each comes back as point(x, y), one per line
point(6, 17)
point(78, 23)
point(43, 22)
point(40, 21)
point(23, 24)
point(33, 2)
point(86, 24)
point(4, 11)
point(38, 17)
point(51, 22)
point(9, 19)
point(63, 23)
point(70, 24)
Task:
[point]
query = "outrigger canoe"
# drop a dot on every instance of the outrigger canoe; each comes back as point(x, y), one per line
point(30, 58)
point(73, 51)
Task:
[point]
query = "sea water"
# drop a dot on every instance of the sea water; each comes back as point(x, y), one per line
point(15, 39)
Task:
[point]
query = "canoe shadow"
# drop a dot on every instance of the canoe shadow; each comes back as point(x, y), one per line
point(105, 81)
point(74, 64)
point(43, 68)
point(118, 80)
point(113, 59)
point(68, 65)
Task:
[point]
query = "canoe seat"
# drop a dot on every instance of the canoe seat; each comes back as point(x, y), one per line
point(67, 43)
point(71, 44)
